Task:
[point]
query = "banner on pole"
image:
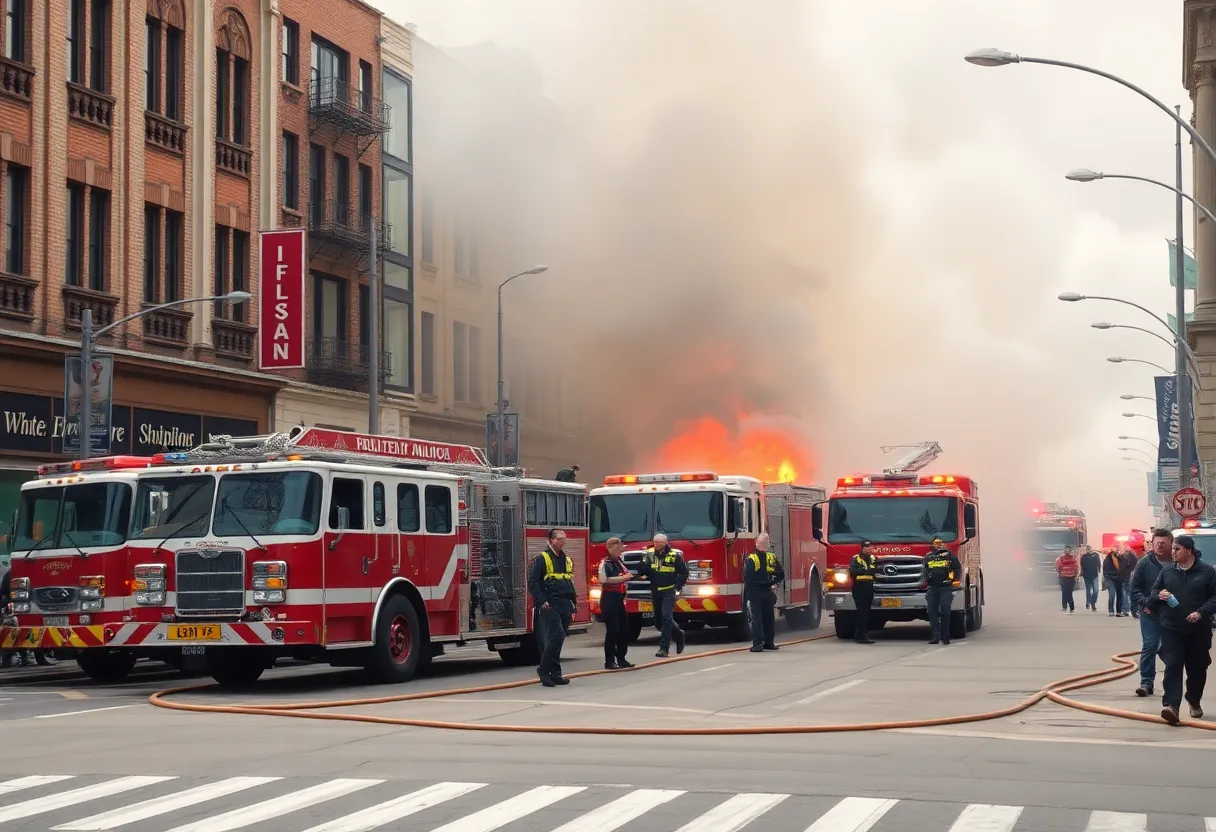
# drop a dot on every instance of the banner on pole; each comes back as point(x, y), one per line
point(1173, 320)
point(282, 262)
point(1169, 434)
point(102, 372)
point(1188, 263)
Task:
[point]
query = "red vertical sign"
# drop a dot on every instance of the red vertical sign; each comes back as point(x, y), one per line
point(281, 300)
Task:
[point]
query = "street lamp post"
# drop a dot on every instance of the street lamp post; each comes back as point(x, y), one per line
point(1073, 297)
point(1186, 353)
point(1127, 397)
point(1118, 359)
point(1132, 450)
point(500, 422)
point(1086, 175)
point(1152, 445)
point(88, 337)
point(1139, 415)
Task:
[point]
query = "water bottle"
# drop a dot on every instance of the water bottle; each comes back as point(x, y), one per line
point(1172, 601)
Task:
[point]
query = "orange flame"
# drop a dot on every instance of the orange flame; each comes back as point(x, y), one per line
point(765, 453)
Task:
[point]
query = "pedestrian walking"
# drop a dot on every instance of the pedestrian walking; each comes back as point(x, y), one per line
point(1184, 599)
point(862, 569)
point(1127, 565)
point(551, 584)
point(1112, 568)
point(1091, 573)
point(667, 571)
point(1148, 568)
point(1067, 569)
point(762, 572)
point(941, 570)
point(614, 577)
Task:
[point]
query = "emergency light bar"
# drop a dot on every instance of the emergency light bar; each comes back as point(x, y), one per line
point(110, 463)
point(928, 479)
point(643, 479)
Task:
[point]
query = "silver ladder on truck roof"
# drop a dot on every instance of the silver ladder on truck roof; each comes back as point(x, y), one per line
point(921, 455)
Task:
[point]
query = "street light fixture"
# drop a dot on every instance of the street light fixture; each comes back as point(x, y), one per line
point(88, 340)
point(1086, 175)
point(1152, 445)
point(1127, 397)
point(1118, 359)
point(1073, 297)
point(501, 455)
point(1141, 415)
point(1106, 325)
point(1130, 449)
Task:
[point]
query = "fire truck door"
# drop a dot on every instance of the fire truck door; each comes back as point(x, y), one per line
point(779, 532)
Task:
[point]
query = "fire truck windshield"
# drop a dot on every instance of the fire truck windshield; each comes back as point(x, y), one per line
point(681, 515)
point(890, 519)
point(1055, 538)
point(168, 507)
point(266, 504)
point(73, 516)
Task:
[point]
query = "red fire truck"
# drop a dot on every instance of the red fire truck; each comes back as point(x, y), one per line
point(321, 545)
point(1053, 526)
point(900, 512)
point(714, 520)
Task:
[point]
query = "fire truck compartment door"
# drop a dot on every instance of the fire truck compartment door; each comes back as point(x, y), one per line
point(779, 532)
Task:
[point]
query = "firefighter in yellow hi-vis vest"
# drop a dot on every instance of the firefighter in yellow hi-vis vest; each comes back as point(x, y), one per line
point(667, 571)
point(862, 569)
point(942, 573)
point(761, 574)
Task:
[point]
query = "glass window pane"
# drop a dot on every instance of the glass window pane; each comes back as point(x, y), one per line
point(396, 275)
point(397, 341)
point(397, 96)
point(397, 209)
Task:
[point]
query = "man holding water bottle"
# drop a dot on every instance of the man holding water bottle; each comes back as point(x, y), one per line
point(1183, 599)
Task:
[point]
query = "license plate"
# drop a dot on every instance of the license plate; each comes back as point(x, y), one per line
point(194, 632)
point(194, 651)
point(55, 621)
point(892, 603)
point(645, 606)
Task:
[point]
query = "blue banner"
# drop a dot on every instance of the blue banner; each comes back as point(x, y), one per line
point(1169, 434)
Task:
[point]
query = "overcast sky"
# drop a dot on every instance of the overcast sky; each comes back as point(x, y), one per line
point(936, 218)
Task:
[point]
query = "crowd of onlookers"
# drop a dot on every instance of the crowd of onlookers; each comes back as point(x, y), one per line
point(1109, 571)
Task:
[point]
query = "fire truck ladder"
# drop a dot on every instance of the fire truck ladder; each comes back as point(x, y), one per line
point(921, 455)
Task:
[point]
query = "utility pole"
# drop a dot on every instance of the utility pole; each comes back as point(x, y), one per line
point(86, 383)
point(373, 359)
point(1185, 417)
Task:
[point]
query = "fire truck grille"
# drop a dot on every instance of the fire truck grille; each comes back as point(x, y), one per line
point(212, 583)
point(896, 575)
point(639, 587)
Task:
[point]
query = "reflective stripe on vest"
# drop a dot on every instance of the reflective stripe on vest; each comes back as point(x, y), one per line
point(550, 573)
point(770, 561)
point(663, 564)
point(872, 566)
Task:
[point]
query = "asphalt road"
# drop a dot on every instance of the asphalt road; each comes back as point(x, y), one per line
point(135, 767)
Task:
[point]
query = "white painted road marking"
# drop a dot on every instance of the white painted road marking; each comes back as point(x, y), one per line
point(982, 817)
point(10, 786)
point(398, 808)
point(853, 814)
point(163, 805)
point(88, 711)
point(619, 812)
point(820, 695)
point(706, 670)
point(277, 807)
point(734, 814)
point(49, 803)
point(1117, 822)
point(510, 810)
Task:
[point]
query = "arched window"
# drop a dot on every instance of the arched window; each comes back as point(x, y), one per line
point(165, 57)
point(233, 54)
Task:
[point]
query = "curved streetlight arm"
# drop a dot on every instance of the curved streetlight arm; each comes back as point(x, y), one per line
point(1178, 191)
point(97, 333)
point(1186, 347)
point(1149, 363)
point(1141, 415)
point(1159, 337)
point(1152, 445)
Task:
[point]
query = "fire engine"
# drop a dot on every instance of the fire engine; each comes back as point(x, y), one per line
point(320, 545)
point(900, 511)
point(714, 520)
point(1052, 527)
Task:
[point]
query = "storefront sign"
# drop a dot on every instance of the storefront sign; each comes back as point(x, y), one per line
point(281, 300)
point(414, 450)
point(101, 385)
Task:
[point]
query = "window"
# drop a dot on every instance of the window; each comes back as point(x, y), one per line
point(291, 170)
point(398, 338)
point(365, 86)
point(347, 494)
point(396, 276)
point(170, 507)
point(268, 504)
point(75, 235)
point(328, 73)
point(893, 519)
point(475, 389)
point(99, 45)
point(222, 85)
point(466, 362)
point(291, 51)
point(438, 509)
point(366, 197)
point(408, 515)
point(240, 271)
point(231, 268)
point(378, 507)
point(397, 96)
point(14, 30)
point(428, 229)
point(151, 254)
point(175, 243)
point(427, 337)
point(175, 71)
point(97, 514)
point(16, 181)
point(397, 199)
point(99, 227)
point(75, 40)
point(328, 309)
point(232, 81)
point(316, 184)
point(365, 318)
point(460, 262)
point(152, 64)
point(220, 271)
point(240, 91)
point(341, 189)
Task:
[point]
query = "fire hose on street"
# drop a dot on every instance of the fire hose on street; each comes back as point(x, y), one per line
point(1053, 691)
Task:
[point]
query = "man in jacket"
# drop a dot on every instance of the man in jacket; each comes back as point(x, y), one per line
point(1112, 568)
point(762, 572)
point(667, 571)
point(862, 569)
point(1067, 569)
point(1148, 568)
point(1091, 571)
point(942, 569)
point(1184, 600)
point(551, 584)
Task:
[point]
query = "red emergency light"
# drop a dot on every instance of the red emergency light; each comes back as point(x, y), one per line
point(641, 479)
point(111, 463)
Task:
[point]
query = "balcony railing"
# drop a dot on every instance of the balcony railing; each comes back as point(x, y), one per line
point(16, 79)
point(234, 339)
point(17, 296)
point(343, 105)
point(167, 327)
point(78, 298)
point(334, 362)
point(337, 224)
point(90, 106)
point(164, 133)
point(232, 157)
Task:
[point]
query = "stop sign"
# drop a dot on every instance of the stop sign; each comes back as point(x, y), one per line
point(1189, 502)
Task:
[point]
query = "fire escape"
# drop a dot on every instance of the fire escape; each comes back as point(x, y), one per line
point(341, 231)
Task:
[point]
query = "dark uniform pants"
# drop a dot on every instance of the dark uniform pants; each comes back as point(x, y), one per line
point(665, 618)
point(1067, 587)
point(552, 626)
point(1185, 651)
point(863, 599)
point(763, 606)
point(616, 626)
point(937, 600)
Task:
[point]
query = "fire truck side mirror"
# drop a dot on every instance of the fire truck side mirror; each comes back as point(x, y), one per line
point(817, 521)
point(969, 520)
point(343, 525)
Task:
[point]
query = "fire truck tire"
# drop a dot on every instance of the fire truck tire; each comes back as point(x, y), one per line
point(106, 666)
point(958, 624)
point(846, 625)
point(810, 616)
point(400, 644)
point(739, 627)
point(527, 653)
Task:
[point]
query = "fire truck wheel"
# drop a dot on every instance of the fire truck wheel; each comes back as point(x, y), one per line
point(106, 666)
point(810, 616)
point(846, 626)
point(740, 626)
point(399, 645)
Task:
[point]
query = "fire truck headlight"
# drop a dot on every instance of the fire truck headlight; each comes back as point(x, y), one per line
point(19, 583)
point(594, 593)
point(92, 587)
point(840, 578)
point(150, 599)
point(706, 591)
point(700, 570)
point(269, 596)
point(149, 580)
point(24, 606)
point(90, 606)
point(269, 581)
point(21, 595)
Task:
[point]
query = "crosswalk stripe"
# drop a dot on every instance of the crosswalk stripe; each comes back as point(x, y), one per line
point(278, 806)
point(984, 817)
point(620, 811)
point(1209, 825)
point(42, 805)
point(163, 805)
point(512, 809)
point(853, 814)
point(10, 786)
point(1116, 822)
point(398, 808)
point(734, 814)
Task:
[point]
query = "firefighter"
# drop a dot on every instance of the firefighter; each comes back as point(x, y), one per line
point(567, 474)
point(551, 583)
point(861, 569)
point(761, 574)
point(941, 571)
point(668, 573)
point(614, 577)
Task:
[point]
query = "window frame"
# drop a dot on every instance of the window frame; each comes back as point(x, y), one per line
point(100, 206)
point(426, 353)
point(290, 51)
point(291, 170)
point(16, 226)
point(449, 491)
point(74, 273)
point(152, 253)
point(16, 28)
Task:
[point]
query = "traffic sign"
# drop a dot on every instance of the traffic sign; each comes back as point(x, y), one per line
point(1189, 502)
